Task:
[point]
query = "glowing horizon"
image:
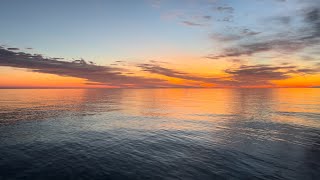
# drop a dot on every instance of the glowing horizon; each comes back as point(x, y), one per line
point(160, 44)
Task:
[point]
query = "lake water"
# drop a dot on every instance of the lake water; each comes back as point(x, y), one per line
point(160, 134)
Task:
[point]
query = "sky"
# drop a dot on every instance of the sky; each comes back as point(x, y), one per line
point(160, 43)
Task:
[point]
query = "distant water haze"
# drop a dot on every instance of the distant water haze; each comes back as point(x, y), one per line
point(160, 133)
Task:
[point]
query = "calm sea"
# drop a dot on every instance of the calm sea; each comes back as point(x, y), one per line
point(160, 134)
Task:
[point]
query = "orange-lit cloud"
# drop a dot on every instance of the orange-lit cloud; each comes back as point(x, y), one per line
point(52, 72)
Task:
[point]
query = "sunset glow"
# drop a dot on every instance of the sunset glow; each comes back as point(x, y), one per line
point(159, 89)
point(220, 43)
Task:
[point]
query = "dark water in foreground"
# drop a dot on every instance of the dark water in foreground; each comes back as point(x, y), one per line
point(160, 134)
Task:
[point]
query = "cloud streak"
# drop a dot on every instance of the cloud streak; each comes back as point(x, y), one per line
point(306, 35)
point(243, 75)
point(157, 69)
point(92, 73)
point(190, 23)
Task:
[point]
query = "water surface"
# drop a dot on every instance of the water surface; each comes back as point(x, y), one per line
point(160, 134)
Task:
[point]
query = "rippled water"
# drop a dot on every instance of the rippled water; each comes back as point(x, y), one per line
point(160, 134)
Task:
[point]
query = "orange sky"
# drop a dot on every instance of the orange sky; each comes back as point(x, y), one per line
point(203, 43)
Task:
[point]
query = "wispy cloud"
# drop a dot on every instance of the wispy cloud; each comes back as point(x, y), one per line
point(189, 23)
point(157, 69)
point(241, 34)
point(259, 74)
point(243, 75)
point(263, 74)
point(224, 9)
point(305, 34)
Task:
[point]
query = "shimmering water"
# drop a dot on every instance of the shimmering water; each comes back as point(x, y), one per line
point(160, 134)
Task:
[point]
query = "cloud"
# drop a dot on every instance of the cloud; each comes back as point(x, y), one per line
point(290, 44)
point(285, 45)
point(96, 83)
point(119, 77)
point(243, 75)
point(226, 19)
point(92, 73)
point(189, 18)
point(225, 38)
point(157, 69)
point(312, 18)
point(263, 74)
point(242, 34)
point(308, 58)
point(158, 62)
point(248, 32)
point(258, 74)
point(189, 23)
point(307, 71)
point(13, 49)
point(207, 17)
point(304, 34)
point(225, 9)
point(197, 20)
point(282, 20)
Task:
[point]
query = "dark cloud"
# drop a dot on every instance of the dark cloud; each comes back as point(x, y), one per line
point(225, 9)
point(258, 74)
point(242, 34)
point(239, 51)
point(226, 19)
point(112, 76)
point(207, 17)
point(237, 77)
point(264, 74)
point(92, 73)
point(306, 71)
point(156, 69)
point(190, 23)
point(312, 15)
point(13, 49)
point(95, 83)
point(312, 18)
point(248, 32)
point(289, 45)
point(57, 58)
point(305, 34)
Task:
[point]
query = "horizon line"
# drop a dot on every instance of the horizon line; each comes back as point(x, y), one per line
point(313, 87)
